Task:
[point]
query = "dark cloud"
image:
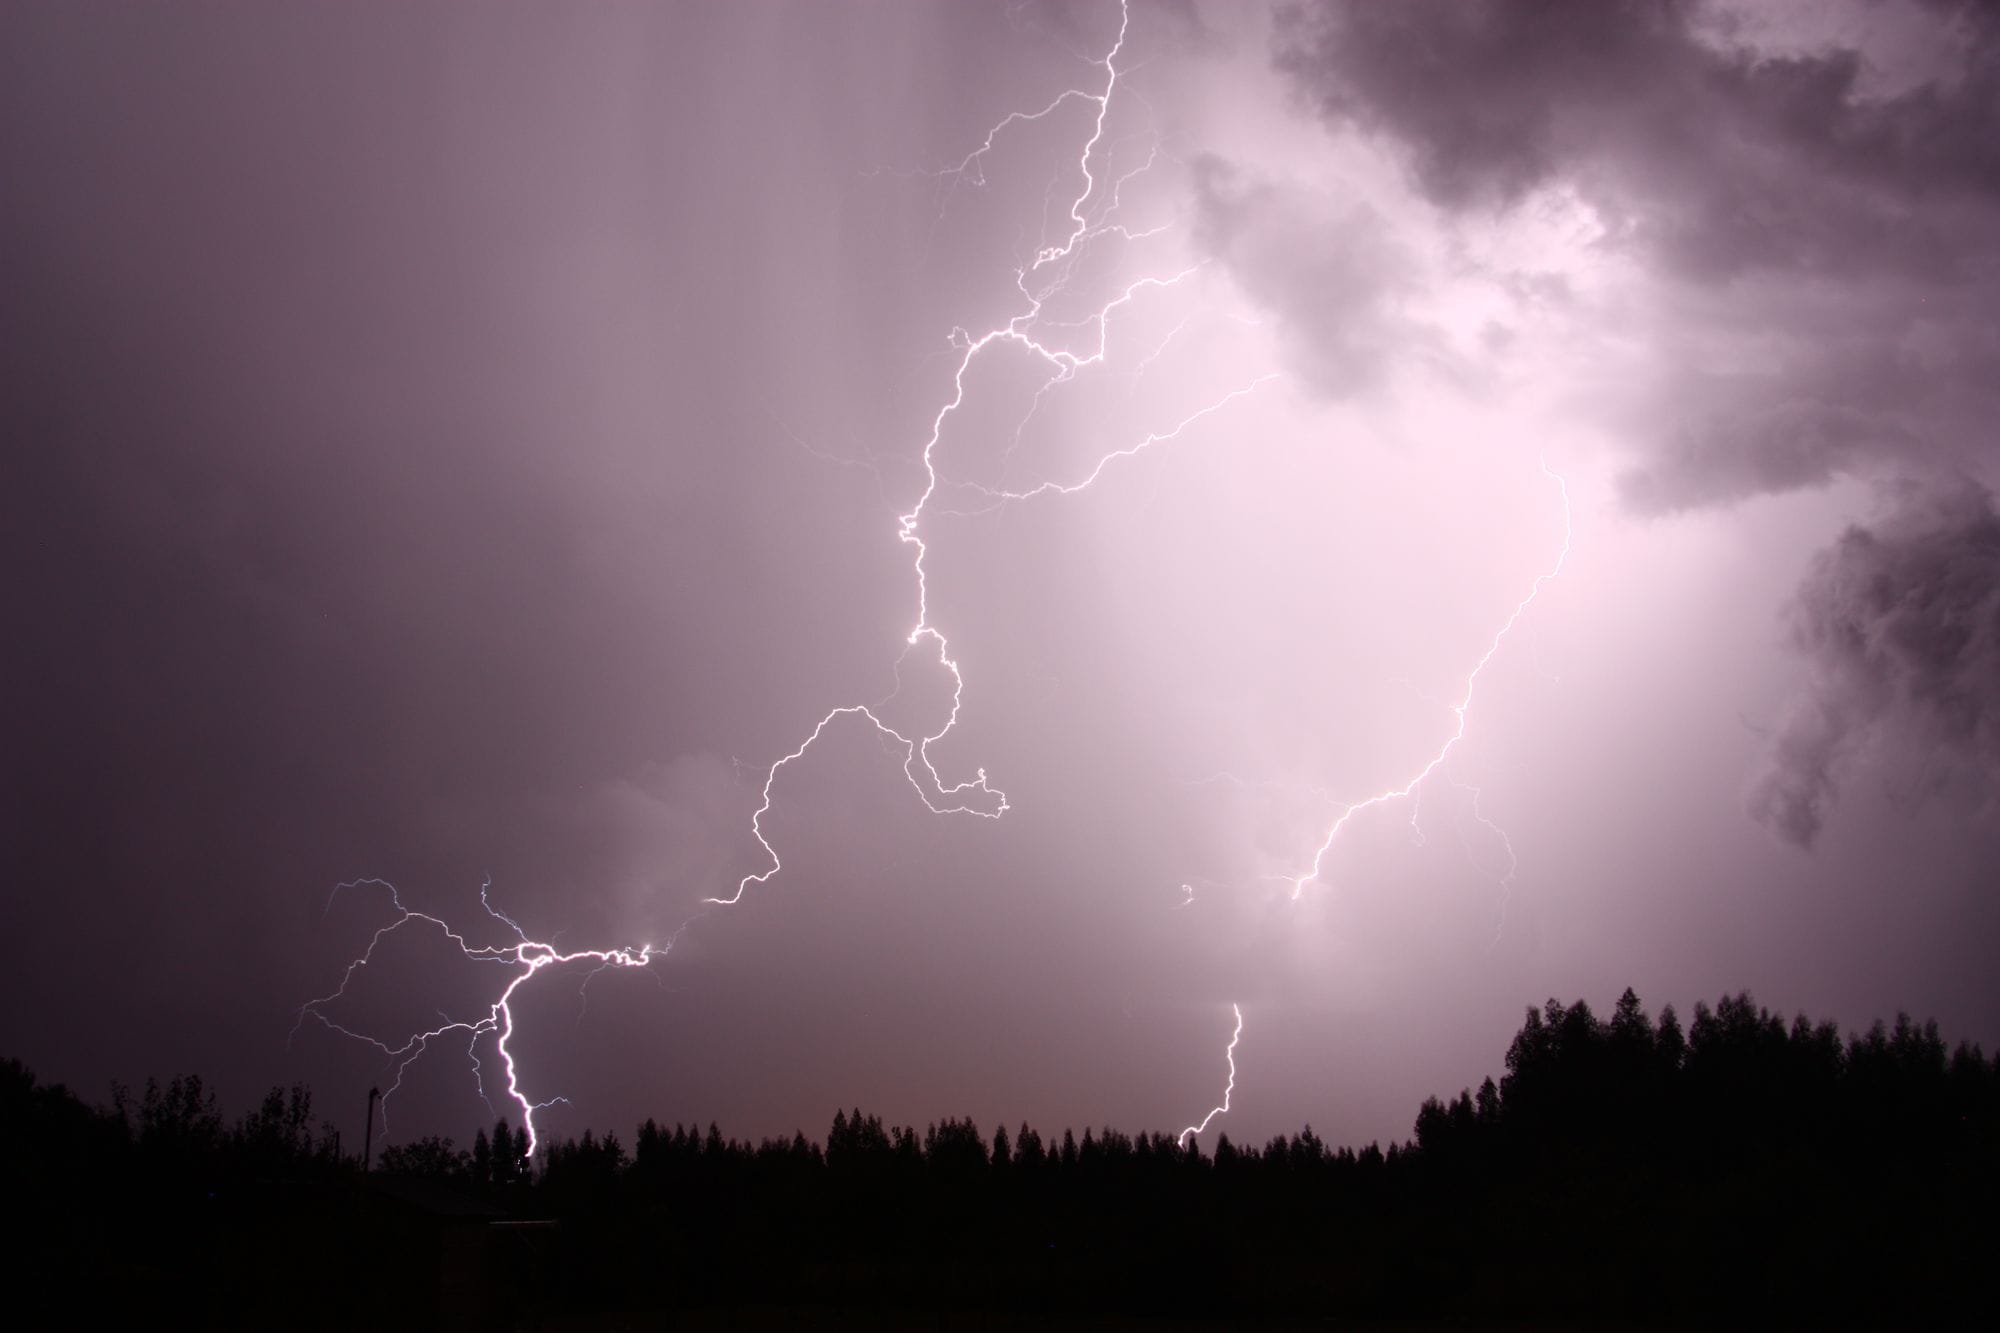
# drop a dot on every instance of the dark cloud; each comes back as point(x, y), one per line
point(1728, 439)
point(1332, 270)
point(1809, 253)
point(1901, 625)
point(1491, 100)
point(1721, 159)
point(1814, 242)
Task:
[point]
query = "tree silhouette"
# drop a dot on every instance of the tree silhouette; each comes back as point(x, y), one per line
point(1618, 1167)
point(429, 1158)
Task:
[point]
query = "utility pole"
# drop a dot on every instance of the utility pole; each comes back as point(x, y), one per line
point(368, 1133)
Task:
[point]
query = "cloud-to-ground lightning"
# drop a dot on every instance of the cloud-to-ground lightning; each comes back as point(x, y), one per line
point(1228, 1089)
point(527, 955)
point(1037, 282)
point(1459, 710)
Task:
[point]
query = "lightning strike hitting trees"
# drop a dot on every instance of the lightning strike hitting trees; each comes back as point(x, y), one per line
point(1228, 1089)
point(527, 956)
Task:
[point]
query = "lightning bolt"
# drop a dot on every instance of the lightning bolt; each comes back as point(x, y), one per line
point(1513, 863)
point(1459, 710)
point(528, 957)
point(1228, 1089)
point(1026, 331)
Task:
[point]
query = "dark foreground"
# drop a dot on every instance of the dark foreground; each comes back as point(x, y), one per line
point(1622, 1173)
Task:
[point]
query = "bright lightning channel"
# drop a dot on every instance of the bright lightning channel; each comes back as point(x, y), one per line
point(1228, 1089)
point(975, 796)
point(1459, 710)
point(529, 956)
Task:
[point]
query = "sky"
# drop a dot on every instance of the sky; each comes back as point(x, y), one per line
point(1423, 508)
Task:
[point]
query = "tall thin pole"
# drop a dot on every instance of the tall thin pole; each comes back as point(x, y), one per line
point(368, 1133)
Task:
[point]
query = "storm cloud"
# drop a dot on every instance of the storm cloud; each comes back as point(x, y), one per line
point(1331, 270)
point(1805, 228)
point(1901, 624)
point(1822, 255)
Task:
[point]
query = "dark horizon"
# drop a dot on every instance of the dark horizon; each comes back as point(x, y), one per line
point(1621, 1166)
point(188, 1088)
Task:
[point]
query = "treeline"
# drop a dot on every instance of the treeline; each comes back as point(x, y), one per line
point(1623, 1165)
point(171, 1137)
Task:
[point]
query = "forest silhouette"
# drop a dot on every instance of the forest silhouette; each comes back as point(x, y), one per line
point(1620, 1167)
